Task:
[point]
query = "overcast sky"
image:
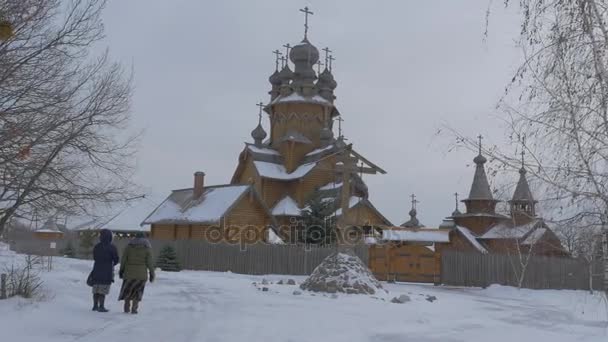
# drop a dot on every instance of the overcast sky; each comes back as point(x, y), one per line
point(404, 69)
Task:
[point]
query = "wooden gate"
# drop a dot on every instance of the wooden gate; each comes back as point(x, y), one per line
point(407, 263)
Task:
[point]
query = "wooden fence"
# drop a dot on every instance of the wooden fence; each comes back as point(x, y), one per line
point(221, 257)
point(481, 270)
point(248, 259)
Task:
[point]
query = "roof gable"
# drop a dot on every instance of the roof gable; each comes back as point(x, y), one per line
point(286, 207)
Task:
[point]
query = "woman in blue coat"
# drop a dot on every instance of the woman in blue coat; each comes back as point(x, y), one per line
point(105, 256)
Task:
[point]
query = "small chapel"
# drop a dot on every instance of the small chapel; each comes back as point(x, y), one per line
point(299, 157)
point(481, 229)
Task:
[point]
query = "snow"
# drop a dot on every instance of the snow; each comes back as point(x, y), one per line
point(534, 236)
point(48, 231)
point(278, 171)
point(213, 204)
point(507, 231)
point(273, 238)
point(331, 186)
point(416, 235)
point(262, 150)
point(341, 272)
point(352, 201)
point(295, 97)
point(286, 207)
point(370, 240)
point(472, 239)
point(319, 150)
point(125, 217)
point(211, 306)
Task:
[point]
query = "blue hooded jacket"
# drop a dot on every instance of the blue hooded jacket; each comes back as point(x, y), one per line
point(105, 256)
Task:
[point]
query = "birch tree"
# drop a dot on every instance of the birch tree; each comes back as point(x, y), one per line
point(63, 112)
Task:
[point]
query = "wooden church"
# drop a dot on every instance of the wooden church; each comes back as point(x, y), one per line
point(280, 170)
point(481, 229)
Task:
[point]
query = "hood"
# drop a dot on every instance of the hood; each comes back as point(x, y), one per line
point(138, 241)
point(105, 236)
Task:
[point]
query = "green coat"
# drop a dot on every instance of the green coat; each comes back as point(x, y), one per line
point(136, 262)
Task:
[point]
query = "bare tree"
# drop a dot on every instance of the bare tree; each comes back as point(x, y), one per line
point(63, 112)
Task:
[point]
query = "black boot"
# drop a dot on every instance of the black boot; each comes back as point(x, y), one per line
point(95, 302)
point(102, 300)
point(135, 306)
point(127, 307)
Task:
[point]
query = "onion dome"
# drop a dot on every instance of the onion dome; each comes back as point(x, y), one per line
point(480, 159)
point(285, 75)
point(275, 79)
point(326, 79)
point(258, 134)
point(304, 56)
point(456, 212)
point(413, 221)
point(304, 53)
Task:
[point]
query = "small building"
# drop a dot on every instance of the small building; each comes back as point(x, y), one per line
point(481, 229)
point(232, 213)
point(408, 254)
point(49, 231)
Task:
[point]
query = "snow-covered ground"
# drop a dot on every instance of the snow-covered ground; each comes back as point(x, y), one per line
point(208, 306)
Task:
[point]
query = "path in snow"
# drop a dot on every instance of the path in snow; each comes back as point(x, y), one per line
point(208, 306)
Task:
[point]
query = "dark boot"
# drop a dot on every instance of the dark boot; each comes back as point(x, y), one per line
point(95, 302)
point(134, 306)
point(127, 307)
point(102, 307)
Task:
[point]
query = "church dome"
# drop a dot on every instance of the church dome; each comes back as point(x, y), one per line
point(304, 53)
point(327, 79)
point(275, 78)
point(258, 133)
point(480, 159)
point(285, 75)
point(413, 213)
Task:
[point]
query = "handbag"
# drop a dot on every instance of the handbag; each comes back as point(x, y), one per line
point(90, 279)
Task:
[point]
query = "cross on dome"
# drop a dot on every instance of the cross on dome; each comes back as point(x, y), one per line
point(306, 13)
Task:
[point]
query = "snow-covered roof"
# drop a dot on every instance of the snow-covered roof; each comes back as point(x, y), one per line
point(50, 226)
point(533, 237)
point(262, 150)
point(320, 150)
point(286, 207)
point(274, 239)
point(331, 186)
point(296, 137)
point(370, 240)
point(472, 239)
point(505, 230)
point(48, 231)
point(416, 235)
point(209, 208)
point(295, 97)
point(278, 171)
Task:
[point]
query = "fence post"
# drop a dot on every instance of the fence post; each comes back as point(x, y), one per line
point(3, 286)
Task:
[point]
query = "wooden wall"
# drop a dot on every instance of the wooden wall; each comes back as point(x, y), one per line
point(405, 263)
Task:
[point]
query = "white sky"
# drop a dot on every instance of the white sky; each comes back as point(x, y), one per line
point(404, 69)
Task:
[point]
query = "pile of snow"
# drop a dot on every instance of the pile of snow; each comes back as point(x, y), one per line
point(341, 272)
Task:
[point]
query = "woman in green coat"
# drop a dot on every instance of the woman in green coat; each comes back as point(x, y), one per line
point(135, 265)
